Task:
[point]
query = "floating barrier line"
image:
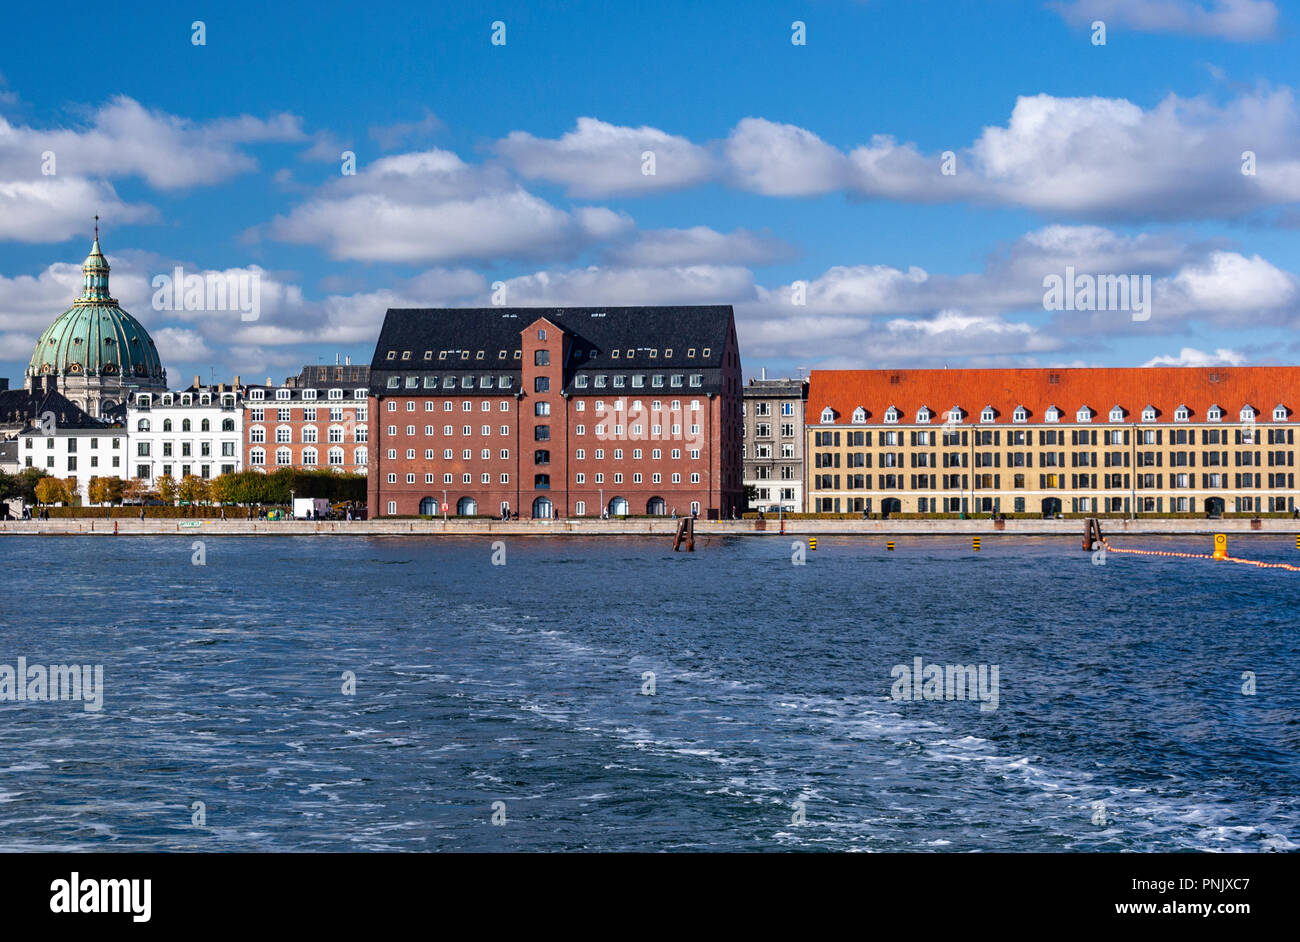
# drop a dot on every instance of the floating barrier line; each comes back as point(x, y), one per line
point(1228, 559)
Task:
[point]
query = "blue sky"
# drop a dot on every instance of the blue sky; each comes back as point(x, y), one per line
point(776, 164)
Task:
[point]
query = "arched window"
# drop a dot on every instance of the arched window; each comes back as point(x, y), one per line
point(309, 457)
point(227, 425)
point(283, 456)
point(336, 456)
point(186, 425)
point(205, 426)
point(142, 425)
point(257, 456)
point(359, 456)
point(167, 425)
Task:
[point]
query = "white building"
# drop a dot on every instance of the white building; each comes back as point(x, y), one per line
point(196, 431)
point(78, 448)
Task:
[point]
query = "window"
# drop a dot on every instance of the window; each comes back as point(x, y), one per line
point(541, 433)
point(859, 415)
point(1149, 414)
point(892, 415)
point(542, 384)
point(543, 408)
point(987, 414)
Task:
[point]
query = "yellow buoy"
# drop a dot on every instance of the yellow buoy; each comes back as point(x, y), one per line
point(812, 542)
point(1220, 546)
point(890, 545)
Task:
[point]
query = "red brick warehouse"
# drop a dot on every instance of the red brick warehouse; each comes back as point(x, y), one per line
point(557, 412)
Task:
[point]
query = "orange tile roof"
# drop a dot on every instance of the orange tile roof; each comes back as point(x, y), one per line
point(1100, 388)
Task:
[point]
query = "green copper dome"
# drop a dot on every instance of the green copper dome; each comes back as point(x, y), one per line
point(95, 337)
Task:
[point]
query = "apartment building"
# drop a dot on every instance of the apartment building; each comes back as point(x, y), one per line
point(196, 431)
point(317, 419)
point(773, 446)
point(1048, 441)
point(557, 412)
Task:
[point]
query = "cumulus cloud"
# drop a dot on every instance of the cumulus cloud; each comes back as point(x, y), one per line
point(126, 139)
point(677, 284)
point(598, 159)
point(433, 207)
point(1190, 356)
point(701, 245)
point(1240, 20)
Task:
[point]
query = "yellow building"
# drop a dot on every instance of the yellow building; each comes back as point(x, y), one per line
point(1045, 441)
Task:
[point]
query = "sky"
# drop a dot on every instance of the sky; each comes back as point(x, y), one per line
point(897, 189)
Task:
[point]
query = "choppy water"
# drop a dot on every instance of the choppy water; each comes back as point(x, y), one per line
point(523, 684)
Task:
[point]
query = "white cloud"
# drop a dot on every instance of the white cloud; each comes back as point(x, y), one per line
point(701, 245)
point(1228, 19)
point(393, 135)
point(126, 139)
point(679, 284)
point(784, 160)
point(597, 159)
point(1189, 356)
point(433, 207)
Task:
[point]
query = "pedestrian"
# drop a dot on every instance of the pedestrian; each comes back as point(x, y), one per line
point(142, 511)
point(223, 513)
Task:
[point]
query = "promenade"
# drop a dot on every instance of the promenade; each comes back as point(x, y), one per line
point(662, 527)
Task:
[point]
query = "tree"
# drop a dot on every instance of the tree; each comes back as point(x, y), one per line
point(113, 487)
point(71, 492)
point(97, 490)
point(189, 488)
point(168, 489)
point(49, 490)
point(133, 490)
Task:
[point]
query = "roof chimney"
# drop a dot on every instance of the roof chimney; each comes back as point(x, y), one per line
point(763, 373)
point(236, 383)
point(347, 361)
point(196, 380)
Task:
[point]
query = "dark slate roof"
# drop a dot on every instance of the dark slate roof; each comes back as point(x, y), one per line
point(22, 406)
point(431, 342)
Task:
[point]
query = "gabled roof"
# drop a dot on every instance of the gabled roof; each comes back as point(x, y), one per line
point(1132, 388)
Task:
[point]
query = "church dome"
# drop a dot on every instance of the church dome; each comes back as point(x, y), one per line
point(95, 337)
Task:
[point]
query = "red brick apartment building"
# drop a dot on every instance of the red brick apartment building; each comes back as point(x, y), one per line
point(317, 419)
point(557, 412)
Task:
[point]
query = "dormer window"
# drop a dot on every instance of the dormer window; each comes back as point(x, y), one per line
point(891, 415)
point(283, 394)
point(1149, 414)
point(258, 394)
point(987, 414)
point(1052, 414)
point(1279, 413)
point(1117, 414)
point(859, 415)
point(309, 394)
point(923, 415)
point(1248, 413)
point(1020, 415)
point(336, 394)
point(1083, 415)
point(392, 355)
point(954, 414)
point(1214, 414)
point(1182, 414)
point(828, 416)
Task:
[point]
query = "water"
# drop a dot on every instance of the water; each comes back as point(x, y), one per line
point(523, 684)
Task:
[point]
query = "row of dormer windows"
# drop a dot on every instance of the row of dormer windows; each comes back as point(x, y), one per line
point(956, 414)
